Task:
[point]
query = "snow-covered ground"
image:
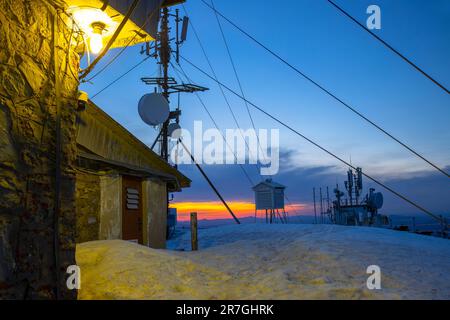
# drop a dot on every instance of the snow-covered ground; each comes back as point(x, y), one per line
point(270, 262)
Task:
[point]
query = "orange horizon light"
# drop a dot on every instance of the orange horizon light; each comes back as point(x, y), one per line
point(215, 210)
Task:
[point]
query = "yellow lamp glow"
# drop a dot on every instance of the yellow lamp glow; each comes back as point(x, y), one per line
point(95, 25)
point(96, 43)
point(138, 29)
point(96, 39)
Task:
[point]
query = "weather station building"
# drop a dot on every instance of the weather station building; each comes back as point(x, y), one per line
point(269, 199)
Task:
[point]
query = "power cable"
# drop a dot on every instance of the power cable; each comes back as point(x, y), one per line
point(111, 41)
point(314, 143)
point(236, 74)
point(150, 16)
point(326, 90)
point(215, 75)
point(213, 121)
point(120, 77)
point(106, 66)
point(230, 56)
point(218, 128)
point(387, 45)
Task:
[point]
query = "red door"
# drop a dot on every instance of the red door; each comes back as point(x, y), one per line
point(132, 210)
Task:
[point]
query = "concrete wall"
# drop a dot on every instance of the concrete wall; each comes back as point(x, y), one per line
point(155, 213)
point(110, 208)
point(87, 207)
point(38, 77)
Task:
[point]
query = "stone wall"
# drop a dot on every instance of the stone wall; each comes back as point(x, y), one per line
point(38, 90)
point(87, 207)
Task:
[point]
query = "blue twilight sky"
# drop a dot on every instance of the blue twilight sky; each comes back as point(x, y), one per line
point(332, 50)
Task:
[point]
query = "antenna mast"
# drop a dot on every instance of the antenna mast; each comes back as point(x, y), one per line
point(164, 60)
point(168, 85)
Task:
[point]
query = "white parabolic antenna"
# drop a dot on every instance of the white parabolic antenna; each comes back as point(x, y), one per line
point(175, 131)
point(154, 109)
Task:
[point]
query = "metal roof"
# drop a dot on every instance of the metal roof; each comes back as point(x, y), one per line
point(271, 184)
point(109, 141)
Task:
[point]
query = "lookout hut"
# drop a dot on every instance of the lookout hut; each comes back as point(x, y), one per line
point(269, 200)
point(121, 184)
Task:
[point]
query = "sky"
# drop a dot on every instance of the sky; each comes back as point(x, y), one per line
point(332, 50)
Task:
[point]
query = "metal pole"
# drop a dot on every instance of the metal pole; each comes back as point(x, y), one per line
point(328, 198)
point(194, 231)
point(164, 55)
point(315, 207)
point(444, 221)
point(58, 162)
point(321, 206)
point(328, 201)
point(177, 18)
point(156, 140)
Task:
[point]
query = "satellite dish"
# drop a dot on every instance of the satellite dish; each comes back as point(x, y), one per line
point(154, 109)
point(174, 131)
point(376, 200)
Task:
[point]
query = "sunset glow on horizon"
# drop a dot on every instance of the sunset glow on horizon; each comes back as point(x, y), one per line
point(215, 210)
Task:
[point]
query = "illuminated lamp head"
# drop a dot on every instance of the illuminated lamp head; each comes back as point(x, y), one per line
point(95, 25)
point(96, 38)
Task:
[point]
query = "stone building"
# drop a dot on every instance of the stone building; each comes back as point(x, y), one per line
point(40, 160)
point(38, 99)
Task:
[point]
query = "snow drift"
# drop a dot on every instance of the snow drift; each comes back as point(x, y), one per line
point(270, 262)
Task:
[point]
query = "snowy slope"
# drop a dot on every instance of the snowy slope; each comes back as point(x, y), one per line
point(270, 262)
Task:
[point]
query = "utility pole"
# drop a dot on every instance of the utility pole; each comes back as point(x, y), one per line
point(164, 60)
point(315, 207)
point(321, 206)
point(168, 85)
point(328, 202)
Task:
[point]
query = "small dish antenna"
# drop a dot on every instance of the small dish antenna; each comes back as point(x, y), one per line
point(175, 131)
point(376, 200)
point(154, 109)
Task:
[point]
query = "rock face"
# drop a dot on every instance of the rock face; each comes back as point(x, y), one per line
point(88, 207)
point(38, 94)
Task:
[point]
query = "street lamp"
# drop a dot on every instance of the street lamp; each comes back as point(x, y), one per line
point(96, 40)
point(94, 24)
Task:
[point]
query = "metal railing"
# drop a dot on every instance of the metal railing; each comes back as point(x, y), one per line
point(437, 229)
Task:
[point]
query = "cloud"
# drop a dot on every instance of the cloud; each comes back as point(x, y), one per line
point(431, 190)
point(392, 165)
